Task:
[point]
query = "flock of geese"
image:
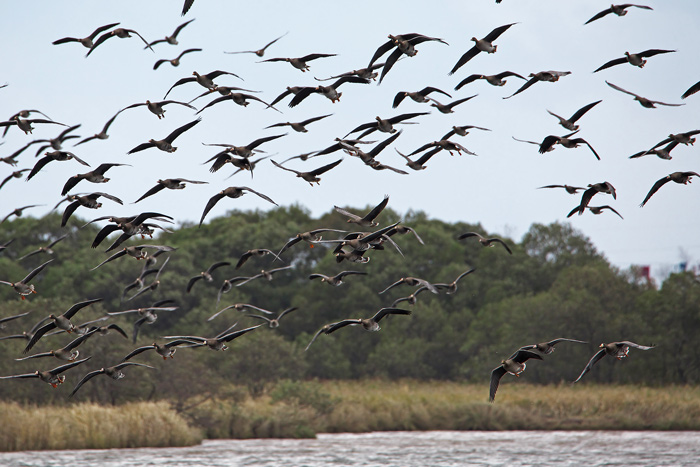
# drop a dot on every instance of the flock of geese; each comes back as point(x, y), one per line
point(350, 246)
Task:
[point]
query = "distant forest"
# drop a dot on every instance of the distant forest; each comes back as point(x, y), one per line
point(555, 284)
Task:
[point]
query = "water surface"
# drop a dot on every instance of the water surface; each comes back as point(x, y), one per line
point(400, 449)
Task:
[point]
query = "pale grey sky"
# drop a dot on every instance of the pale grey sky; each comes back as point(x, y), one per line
point(497, 188)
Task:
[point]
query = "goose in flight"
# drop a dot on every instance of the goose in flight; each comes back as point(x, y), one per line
point(86, 42)
point(619, 10)
point(643, 101)
point(514, 365)
point(260, 52)
point(171, 39)
point(618, 350)
point(633, 59)
point(481, 45)
point(682, 178)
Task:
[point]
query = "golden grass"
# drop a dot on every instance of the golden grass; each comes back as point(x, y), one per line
point(302, 409)
point(91, 426)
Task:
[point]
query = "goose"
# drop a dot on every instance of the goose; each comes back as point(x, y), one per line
point(135, 251)
point(206, 275)
point(94, 176)
point(412, 282)
point(218, 342)
point(165, 144)
point(330, 92)
point(485, 241)
point(661, 153)
point(166, 350)
point(23, 287)
point(565, 141)
point(481, 45)
point(633, 59)
point(368, 220)
point(493, 80)
point(206, 80)
point(310, 237)
point(239, 307)
point(300, 62)
point(337, 279)
point(273, 322)
point(443, 144)
point(26, 124)
point(514, 365)
point(52, 377)
point(17, 212)
point(368, 324)
point(231, 192)
point(618, 350)
point(462, 130)
point(643, 101)
point(592, 190)
point(451, 288)
point(171, 184)
point(417, 96)
point(147, 315)
point(61, 321)
point(682, 178)
point(364, 241)
point(254, 252)
point(60, 156)
point(366, 73)
point(551, 76)
point(148, 288)
point(448, 108)
point(312, 176)
point(404, 44)
point(418, 164)
point(569, 123)
point(245, 152)
point(368, 157)
point(548, 347)
point(102, 134)
point(156, 108)
point(122, 33)
point(572, 190)
point(48, 249)
point(619, 10)
point(299, 126)
point(238, 98)
point(67, 353)
point(385, 125)
point(171, 39)
point(129, 226)
point(89, 201)
point(410, 299)
point(86, 42)
point(595, 210)
point(57, 142)
point(114, 372)
point(266, 274)
point(175, 61)
point(260, 52)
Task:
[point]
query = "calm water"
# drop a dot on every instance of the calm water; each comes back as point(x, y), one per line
point(401, 449)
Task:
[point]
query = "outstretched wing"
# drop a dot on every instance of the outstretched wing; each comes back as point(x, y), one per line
point(591, 362)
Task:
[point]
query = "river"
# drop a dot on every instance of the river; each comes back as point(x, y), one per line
point(400, 449)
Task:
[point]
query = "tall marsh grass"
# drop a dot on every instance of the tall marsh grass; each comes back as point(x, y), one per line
point(295, 409)
point(92, 426)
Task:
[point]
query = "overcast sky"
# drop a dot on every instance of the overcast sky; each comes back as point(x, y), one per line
point(497, 188)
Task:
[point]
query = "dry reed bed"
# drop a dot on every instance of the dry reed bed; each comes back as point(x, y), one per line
point(302, 409)
point(92, 426)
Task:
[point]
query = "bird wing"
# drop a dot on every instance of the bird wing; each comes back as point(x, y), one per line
point(659, 183)
point(583, 141)
point(521, 356)
point(493, 35)
point(652, 52)
point(547, 143)
point(265, 197)
point(38, 334)
point(99, 41)
point(496, 376)
point(370, 216)
point(79, 306)
point(233, 335)
point(389, 311)
point(150, 192)
point(467, 80)
point(171, 137)
point(636, 346)
point(341, 324)
point(325, 168)
point(35, 271)
point(618, 88)
point(611, 63)
point(381, 50)
point(391, 59)
point(210, 204)
point(691, 90)
point(85, 379)
point(580, 112)
point(302, 94)
point(599, 15)
point(530, 82)
point(600, 354)
point(141, 147)
point(468, 55)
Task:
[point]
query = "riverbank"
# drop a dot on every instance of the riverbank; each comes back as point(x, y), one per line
point(303, 409)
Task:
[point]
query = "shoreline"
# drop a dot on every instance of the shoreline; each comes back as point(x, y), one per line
point(293, 409)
